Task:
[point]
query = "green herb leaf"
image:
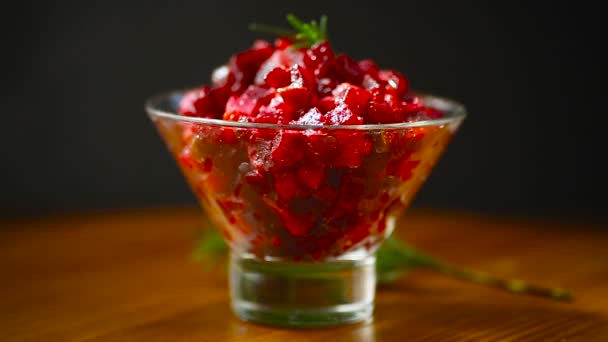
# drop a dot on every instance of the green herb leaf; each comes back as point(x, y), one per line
point(303, 34)
point(396, 258)
point(279, 31)
point(395, 255)
point(209, 244)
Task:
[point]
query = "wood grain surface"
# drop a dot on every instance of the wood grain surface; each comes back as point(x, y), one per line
point(128, 276)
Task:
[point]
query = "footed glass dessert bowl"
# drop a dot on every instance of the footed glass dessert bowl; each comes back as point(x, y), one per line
point(303, 159)
point(304, 207)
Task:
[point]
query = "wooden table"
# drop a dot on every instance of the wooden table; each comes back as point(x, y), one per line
point(128, 276)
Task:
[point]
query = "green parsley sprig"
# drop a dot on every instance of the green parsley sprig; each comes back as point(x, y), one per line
point(396, 258)
point(302, 33)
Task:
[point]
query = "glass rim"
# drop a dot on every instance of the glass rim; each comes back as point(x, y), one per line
point(453, 112)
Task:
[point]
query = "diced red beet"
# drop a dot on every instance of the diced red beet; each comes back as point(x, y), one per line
point(259, 154)
point(326, 193)
point(325, 86)
point(365, 145)
point(369, 67)
point(220, 76)
point(297, 225)
point(355, 140)
point(223, 80)
point(381, 113)
point(325, 241)
point(355, 97)
point(375, 89)
point(412, 110)
point(312, 117)
point(395, 82)
point(257, 181)
point(384, 198)
point(348, 70)
point(312, 175)
point(301, 77)
point(295, 98)
point(230, 203)
point(286, 185)
point(326, 104)
point(275, 112)
point(358, 233)
point(415, 100)
point(228, 136)
point(369, 82)
point(235, 116)
point(337, 150)
point(391, 99)
point(188, 132)
point(319, 59)
point(287, 149)
point(278, 77)
point(237, 189)
point(198, 102)
point(275, 241)
point(347, 157)
point(280, 58)
point(266, 117)
point(250, 60)
point(261, 44)
point(250, 101)
point(342, 115)
point(321, 148)
point(282, 43)
point(185, 158)
point(350, 193)
point(192, 160)
point(402, 167)
point(232, 219)
point(222, 93)
point(415, 134)
point(245, 65)
point(433, 113)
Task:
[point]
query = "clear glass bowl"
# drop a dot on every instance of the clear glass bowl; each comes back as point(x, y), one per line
point(304, 208)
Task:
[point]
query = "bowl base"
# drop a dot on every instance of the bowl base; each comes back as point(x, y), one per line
point(303, 294)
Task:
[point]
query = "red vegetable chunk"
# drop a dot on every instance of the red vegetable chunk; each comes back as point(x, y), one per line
point(250, 101)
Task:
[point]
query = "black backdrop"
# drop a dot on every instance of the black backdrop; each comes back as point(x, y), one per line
point(76, 74)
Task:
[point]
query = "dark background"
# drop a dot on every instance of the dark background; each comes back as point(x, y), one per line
point(75, 136)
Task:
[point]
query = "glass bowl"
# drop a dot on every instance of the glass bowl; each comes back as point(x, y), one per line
point(304, 208)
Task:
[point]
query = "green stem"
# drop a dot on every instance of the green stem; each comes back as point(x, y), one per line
point(279, 31)
point(510, 285)
point(304, 34)
point(421, 260)
point(394, 259)
point(323, 25)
